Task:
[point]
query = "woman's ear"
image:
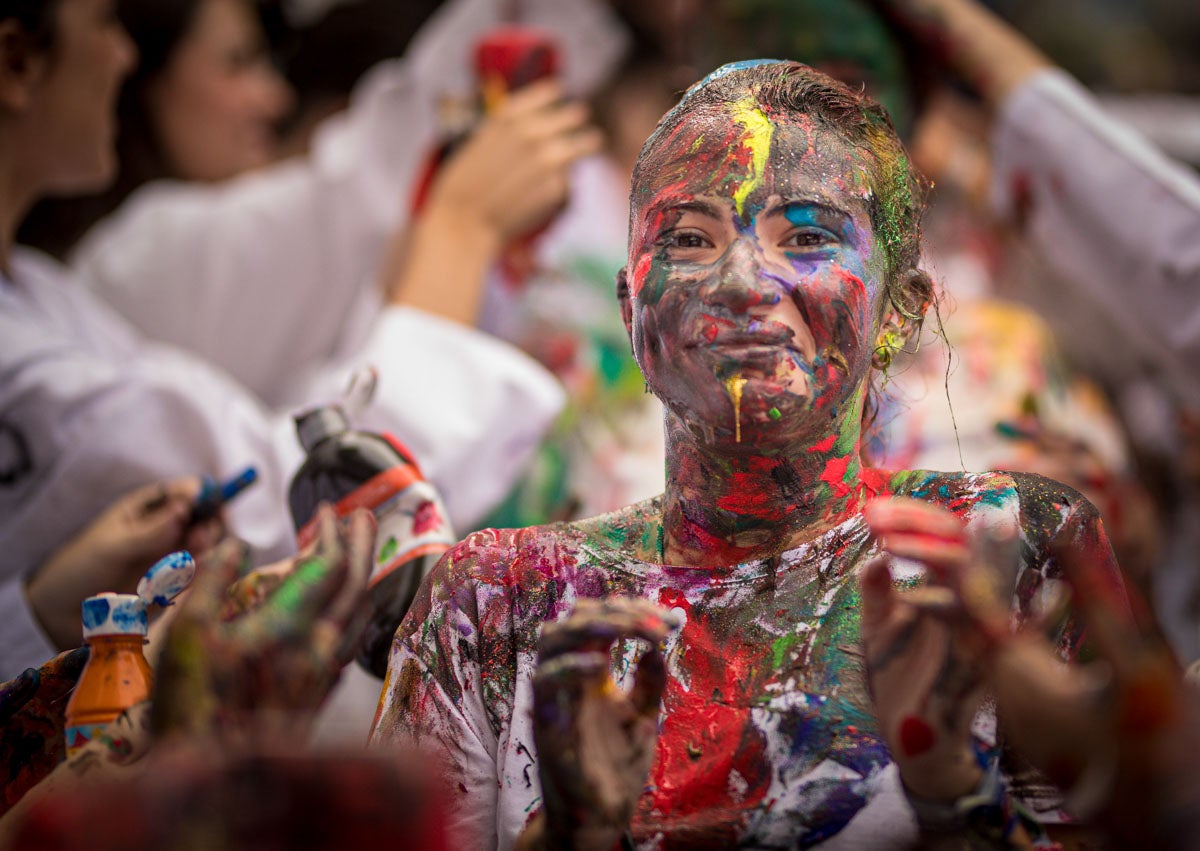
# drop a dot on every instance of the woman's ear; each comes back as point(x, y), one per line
point(623, 301)
point(22, 63)
point(910, 295)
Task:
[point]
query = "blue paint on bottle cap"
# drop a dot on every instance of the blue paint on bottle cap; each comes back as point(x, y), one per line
point(167, 578)
point(114, 614)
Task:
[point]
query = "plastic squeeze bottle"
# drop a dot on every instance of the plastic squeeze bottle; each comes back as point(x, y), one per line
point(117, 675)
point(360, 469)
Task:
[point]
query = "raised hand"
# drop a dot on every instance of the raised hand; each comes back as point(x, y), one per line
point(32, 714)
point(595, 741)
point(264, 671)
point(508, 178)
point(511, 173)
point(926, 685)
point(1120, 735)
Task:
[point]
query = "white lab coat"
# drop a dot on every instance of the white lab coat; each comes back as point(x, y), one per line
point(90, 409)
point(202, 267)
point(1116, 219)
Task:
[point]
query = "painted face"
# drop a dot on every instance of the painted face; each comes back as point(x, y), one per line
point(72, 123)
point(216, 103)
point(755, 279)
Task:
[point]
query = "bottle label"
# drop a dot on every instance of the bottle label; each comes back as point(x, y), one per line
point(409, 514)
point(78, 735)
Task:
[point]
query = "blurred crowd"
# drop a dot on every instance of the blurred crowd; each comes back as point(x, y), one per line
point(219, 215)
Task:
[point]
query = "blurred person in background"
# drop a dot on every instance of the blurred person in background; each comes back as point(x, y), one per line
point(276, 273)
point(92, 409)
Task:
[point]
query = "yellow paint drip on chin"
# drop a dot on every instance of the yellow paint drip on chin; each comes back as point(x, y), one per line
point(759, 130)
point(733, 386)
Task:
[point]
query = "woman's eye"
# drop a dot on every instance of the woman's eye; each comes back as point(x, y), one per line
point(808, 239)
point(686, 239)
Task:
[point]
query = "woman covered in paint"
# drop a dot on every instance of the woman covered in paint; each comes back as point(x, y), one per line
point(772, 263)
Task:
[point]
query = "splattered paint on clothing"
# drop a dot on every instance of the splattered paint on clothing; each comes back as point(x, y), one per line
point(767, 735)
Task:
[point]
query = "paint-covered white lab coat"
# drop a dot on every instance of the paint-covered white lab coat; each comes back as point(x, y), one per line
point(90, 409)
point(260, 275)
point(1116, 219)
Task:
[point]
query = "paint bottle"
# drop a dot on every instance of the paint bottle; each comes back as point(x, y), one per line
point(358, 469)
point(117, 675)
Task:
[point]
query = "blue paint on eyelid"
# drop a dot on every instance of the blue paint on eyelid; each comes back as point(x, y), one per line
point(801, 215)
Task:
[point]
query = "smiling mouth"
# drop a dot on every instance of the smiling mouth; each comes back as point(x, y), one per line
point(750, 344)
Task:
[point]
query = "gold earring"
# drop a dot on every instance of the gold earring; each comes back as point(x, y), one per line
point(890, 342)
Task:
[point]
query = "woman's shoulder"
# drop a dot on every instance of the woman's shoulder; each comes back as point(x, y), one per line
point(1035, 500)
point(526, 555)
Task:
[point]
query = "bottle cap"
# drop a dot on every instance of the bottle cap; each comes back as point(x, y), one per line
point(114, 614)
point(319, 423)
point(169, 575)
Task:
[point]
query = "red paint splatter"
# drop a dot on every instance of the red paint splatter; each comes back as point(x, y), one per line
point(916, 737)
point(640, 271)
point(747, 496)
point(824, 445)
point(877, 482)
point(426, 518)
point(707, 737)
point(834, 475)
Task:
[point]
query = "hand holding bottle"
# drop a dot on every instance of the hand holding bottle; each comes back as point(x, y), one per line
point(506, 179)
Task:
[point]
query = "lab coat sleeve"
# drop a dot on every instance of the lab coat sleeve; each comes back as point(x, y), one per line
point(471, 408)
point(22, 642)
point(98, 428)
point(1113, 216)
point(257, 275)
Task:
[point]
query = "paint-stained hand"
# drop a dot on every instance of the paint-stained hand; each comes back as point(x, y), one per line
point(32, 714)
point(114, 551)
point(1121, 735)
point(265, 670)
point(595, 741)
point(926, 684)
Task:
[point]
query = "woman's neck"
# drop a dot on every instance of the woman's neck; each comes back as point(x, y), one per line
point(722, 508)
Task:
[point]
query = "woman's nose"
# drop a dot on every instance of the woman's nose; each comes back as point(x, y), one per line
point(275, 95)
point(125, 52)
point(741, 282)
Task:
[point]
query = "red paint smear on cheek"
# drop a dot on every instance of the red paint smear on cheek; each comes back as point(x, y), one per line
point(855, 290)
point(640, 270)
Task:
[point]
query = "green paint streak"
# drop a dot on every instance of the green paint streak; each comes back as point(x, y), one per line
point(781, 646)
point(289, 597)
point(774, 414)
